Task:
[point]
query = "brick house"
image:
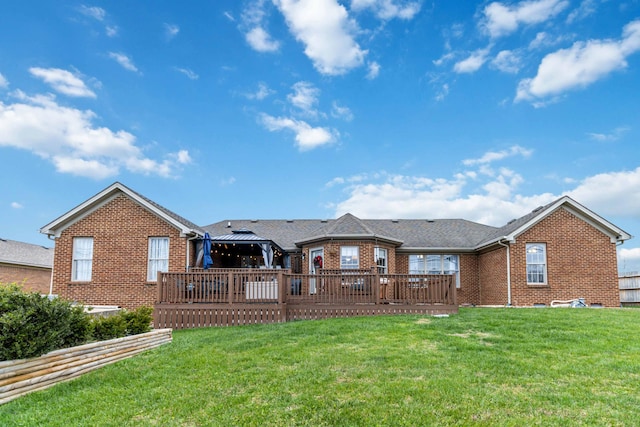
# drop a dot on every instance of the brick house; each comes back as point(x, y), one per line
point(110, 248)
point(26, 264)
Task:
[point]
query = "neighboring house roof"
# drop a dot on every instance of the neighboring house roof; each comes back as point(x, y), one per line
point(25, 254)
point(55, 227)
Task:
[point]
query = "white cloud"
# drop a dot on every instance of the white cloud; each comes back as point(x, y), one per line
point(305, 98)
point(374, 70)
point(442, 92)
point(63, 81)
point(68, 138)
point(228, 181)
point(261, 41)
point(341, 112)
point(99, 14)
point(580, 65)
point(507, 61)
point(400, 196)
point(4, 83)
point(491, 200)
point(93, 12)
point(629, 259)
point(325, 29)
point(16, 205)
point(306, 136)
point(253, 26)
point(473, 62)
point(388, 9)
point(229, 16)
point(182, 157)
point(609, 137)
point(124, 61)
point(501, 19)
point(111, 30)
point(586, 8)
point(444, 58)
point(171, 30)
point(492, 156)
point(261, 93)
point(544, 39)
point(189, 73)
point(611, 193)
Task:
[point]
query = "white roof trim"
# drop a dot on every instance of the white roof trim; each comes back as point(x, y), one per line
point(57, 226)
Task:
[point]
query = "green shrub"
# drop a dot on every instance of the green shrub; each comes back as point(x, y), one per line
point(32, 325)
point(139, 320)
point(106, 328)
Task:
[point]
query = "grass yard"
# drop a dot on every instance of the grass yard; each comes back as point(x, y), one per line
point(481, 367)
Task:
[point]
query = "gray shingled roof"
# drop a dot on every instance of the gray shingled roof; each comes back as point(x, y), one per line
point(513, 225)
point(282, 232)
point(412, 233)
point(25, 254)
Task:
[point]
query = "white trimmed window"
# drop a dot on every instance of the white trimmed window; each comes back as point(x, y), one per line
point(380, 255)
point(435, 264)
point(82, 259)
point(349, 257)
point(158, 257)
point(537, 263)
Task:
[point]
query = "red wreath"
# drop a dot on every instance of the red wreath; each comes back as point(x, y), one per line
point(317, 262)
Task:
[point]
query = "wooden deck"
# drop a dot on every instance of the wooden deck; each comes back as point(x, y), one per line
point(225, 297)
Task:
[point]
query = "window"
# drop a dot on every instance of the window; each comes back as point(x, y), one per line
point(380, 254)
point(435, 264)
point(349, 257)
point(82, 259)
point(158, 257)
point(536, 263)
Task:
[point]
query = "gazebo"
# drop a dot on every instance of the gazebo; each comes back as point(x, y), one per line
point(244, 249)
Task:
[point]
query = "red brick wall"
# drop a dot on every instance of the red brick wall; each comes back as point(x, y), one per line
point(32, 279)
point(581, 263)
point(120, 231)
point(469, 290)
point(492, 277)
point(366, 250)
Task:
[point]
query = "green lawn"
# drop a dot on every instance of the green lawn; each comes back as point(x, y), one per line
point(481, 367)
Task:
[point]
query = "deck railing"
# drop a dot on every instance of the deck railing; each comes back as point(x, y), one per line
point(330, 287)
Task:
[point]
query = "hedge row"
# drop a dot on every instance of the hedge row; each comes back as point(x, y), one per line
point(32, 325)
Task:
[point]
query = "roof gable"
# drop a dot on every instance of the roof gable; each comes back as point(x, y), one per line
point(347, 226)
point(516, 227)
point(56, 227)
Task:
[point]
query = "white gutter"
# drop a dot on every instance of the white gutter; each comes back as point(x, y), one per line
point(508, 270)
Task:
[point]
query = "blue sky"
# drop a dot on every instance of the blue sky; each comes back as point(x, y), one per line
point(313, 108)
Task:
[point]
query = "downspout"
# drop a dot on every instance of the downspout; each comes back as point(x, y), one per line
point(52, 266)
point(508, 271)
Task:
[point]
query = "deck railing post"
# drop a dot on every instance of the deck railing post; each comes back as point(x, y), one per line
point(159, 282)
point(281, 287)
point(376, 284)
point(230, 286)
point(454, 290)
